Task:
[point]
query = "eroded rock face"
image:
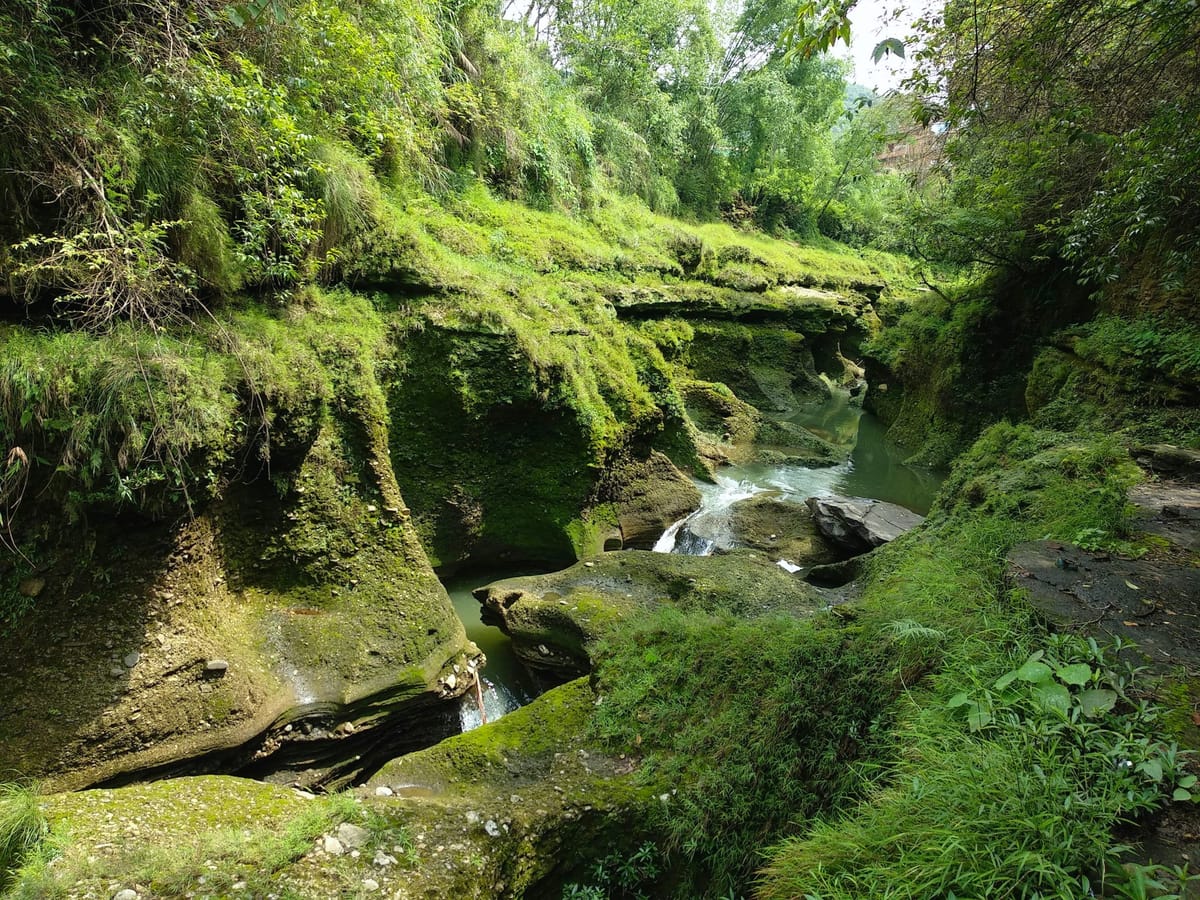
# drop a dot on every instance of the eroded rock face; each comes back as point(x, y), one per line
point(858, 524)
point(275, 630)
point(553, 618)
point(649, 495)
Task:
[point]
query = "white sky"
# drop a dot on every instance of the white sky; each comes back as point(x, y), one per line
point(869, 25)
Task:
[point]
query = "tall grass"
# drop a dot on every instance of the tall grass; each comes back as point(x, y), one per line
point(23, 826)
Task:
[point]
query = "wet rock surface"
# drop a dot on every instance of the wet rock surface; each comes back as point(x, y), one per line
point(859, 524)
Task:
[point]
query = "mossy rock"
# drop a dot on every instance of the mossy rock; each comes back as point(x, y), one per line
point(198, 645)
point(783, 530)
point(647, 497)
point(553, 619)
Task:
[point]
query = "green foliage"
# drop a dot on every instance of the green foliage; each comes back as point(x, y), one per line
point(750, 726)
point(23, 827)
point(1012, 771)
point(1022, 806)
point(619, 875)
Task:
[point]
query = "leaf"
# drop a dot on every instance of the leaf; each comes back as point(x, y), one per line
point(1097, 701)
point(1053, 696)
point(1152, 769)
point(959, 699)
point(1181, 795)
point(1196, 718)
point(1034, 671)
point(1187, 782)
point(1133, 587)
point(978, 717)
point(1005, 680)
point(1077, 674)
point(886, 46)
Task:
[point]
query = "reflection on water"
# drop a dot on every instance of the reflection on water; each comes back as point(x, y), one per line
point(506, 685)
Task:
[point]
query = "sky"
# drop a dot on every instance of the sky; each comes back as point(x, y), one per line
point(868, 28)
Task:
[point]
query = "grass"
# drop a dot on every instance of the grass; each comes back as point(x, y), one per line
point(169, 861)
point(23, 827)
point(1025, 804)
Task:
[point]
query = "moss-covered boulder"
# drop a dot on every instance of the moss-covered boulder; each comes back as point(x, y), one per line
point(536, 443)
point(782, 529)
point(553, 618)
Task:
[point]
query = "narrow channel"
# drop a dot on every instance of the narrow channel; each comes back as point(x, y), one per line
point(505, 683)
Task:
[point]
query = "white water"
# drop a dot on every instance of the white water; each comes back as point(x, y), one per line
point(497, 701)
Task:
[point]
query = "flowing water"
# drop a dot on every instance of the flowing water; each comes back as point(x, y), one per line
point(875, 469)
point(505, 684)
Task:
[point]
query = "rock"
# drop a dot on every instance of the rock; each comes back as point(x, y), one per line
point(1167, 459)
point(859, 524)
point(1152, 602)
point(552, 639)
point(31, 587)
point(370, 885)
point(649, 495)
point(451, 681)
point(383, 860)
point(491, 828)
point(352, 836)
point(332, 846)
point(383, 791)
point(216, 667)
point(781, 529)
point(126, 894)
point(132, 659)
point(116, 672)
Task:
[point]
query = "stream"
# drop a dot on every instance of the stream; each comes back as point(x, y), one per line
point(875, 469)
point(505, 683)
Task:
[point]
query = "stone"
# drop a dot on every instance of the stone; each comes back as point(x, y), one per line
point(859, 524)
point(383, 860)
point(216, 667)
point(126, 894)
point(332, 846)
point(451, 681)
point(352, 836)
point(491, 828)
point(132, 659)
point(116, 672)
point(1167, 459)
point(370, 885)
point(383, 791)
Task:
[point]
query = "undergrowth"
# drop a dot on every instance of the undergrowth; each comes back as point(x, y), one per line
point(23, 827)
point(1021, 755)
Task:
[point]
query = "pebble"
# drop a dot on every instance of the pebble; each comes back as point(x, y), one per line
point(383, 791)
point(332, 846)
point(491, 828)
point(216, 665)
point(132, 659)
point(383, 860)
point(370, 885)
point(116, 672)
point(352, 836)
point(127, 894)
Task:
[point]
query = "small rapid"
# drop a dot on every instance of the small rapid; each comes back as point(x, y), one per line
point(505, 685)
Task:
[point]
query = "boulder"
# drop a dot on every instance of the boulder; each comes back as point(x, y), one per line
point(859, 524)
point(649, 495)
point(783, 530)
point(553, 619)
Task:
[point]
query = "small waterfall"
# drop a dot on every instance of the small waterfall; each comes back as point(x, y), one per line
point(708, 529)
point(497, 701)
